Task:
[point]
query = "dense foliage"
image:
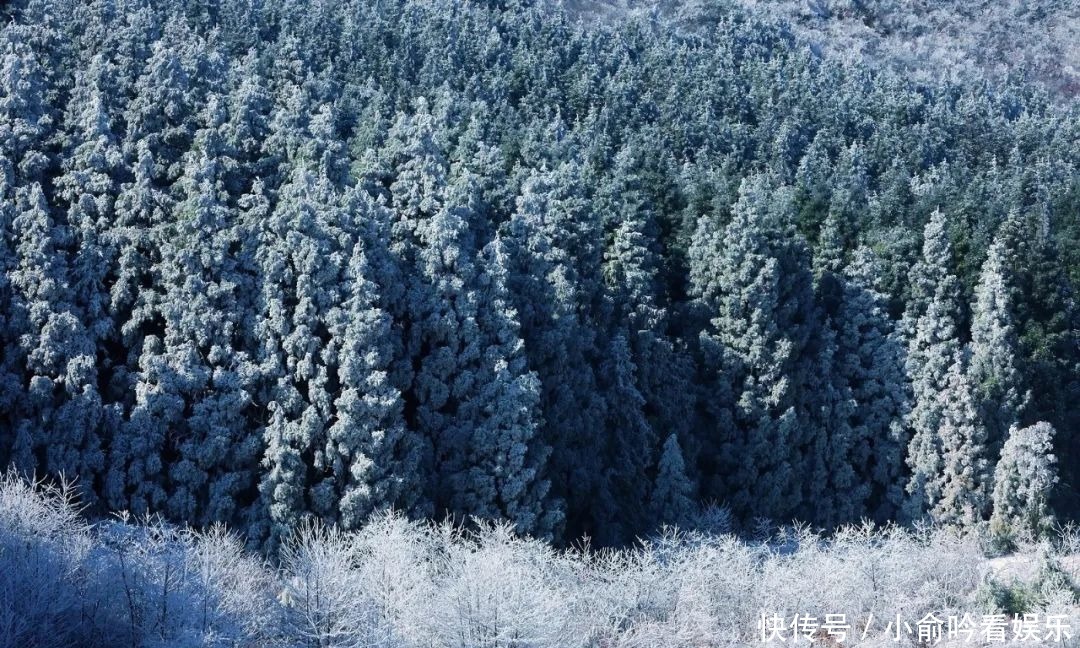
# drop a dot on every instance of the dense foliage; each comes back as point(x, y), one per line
point(402, 584)
point(264, 262)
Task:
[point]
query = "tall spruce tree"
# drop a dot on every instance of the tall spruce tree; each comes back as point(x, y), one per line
point(933, 346)
point(204, 286)
point(870, 363)
point(544, 243)
point(756, 288)
point(471, 394)
point(375, 459)
point(964, 483)
point(672, 500)
point(993, 371)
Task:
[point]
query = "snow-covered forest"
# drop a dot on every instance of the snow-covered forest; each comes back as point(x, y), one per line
point(269, 264)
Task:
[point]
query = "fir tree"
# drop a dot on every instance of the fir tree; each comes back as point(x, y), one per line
point(993, 372)
point(672, 500)
point(374, 458)
point(539, 243)
point(933, 346)
point(870, 363)
point(964, 482)
point(620, 503)
point(58, 428)
point(758, 293)
point(1024, 477)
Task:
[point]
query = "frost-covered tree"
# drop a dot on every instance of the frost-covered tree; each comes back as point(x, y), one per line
point(993, 372)
point(963, 485)
point(374, 458)
point(1046, 323)
point(1024, 477)
point(627, 443)
point(248, 126)
point(933, 346)
point(10, 385)
point(673, 494)
point(25, 119)
point(470, 393)
point(301, 258)
point(135, 461)
point(539, 242)
point(870, 365)
point(633, 266)
point(160, 115)
point(835, 454)
point(206, 284)
point(89, 186)
point(755, 287)
point(57, 430)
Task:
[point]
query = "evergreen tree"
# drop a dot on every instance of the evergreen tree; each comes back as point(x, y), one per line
point(301, 259)
point(57, 430)
point(756, 287)
point(25, 119)
point(160, 115)
point(836, 455)
point(10, 325)
point(1049, 336)
point(471, 394)
point(133, 475)
point(870, 364)
point(933, 345)
point(205, 286)
point(965, 479)
point(1024, 477)
point(544, 245)
point(620, 503)
point(632, 274)
point(672, 500)
point(993, 371)
point(374, 458)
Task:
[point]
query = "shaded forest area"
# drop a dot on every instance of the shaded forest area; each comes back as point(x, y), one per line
point(268, 262)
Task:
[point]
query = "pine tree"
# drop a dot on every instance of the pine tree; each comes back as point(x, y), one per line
point(836, 455)
point(10, 324)
point(545, 248)
point(301, 259)
point(672, 500)
point(933, 346)
point(627, 445)
point(632, 270)
point(25, 122)
point(1024, 477)
point(964, 482)
point(1049, 336)
point(470, 392)
point(374, 458)
point(993, 372)
point(870, 364)
point(205, 288)
point(59, 416)
point(134, 460)
point(160, 115)
point(755, 284)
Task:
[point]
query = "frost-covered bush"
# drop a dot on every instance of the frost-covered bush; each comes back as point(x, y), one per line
point(43, 580)
point(492, 589)
point(401, 584)
point(159, 585)
point(65, 583)
point(323, 593)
